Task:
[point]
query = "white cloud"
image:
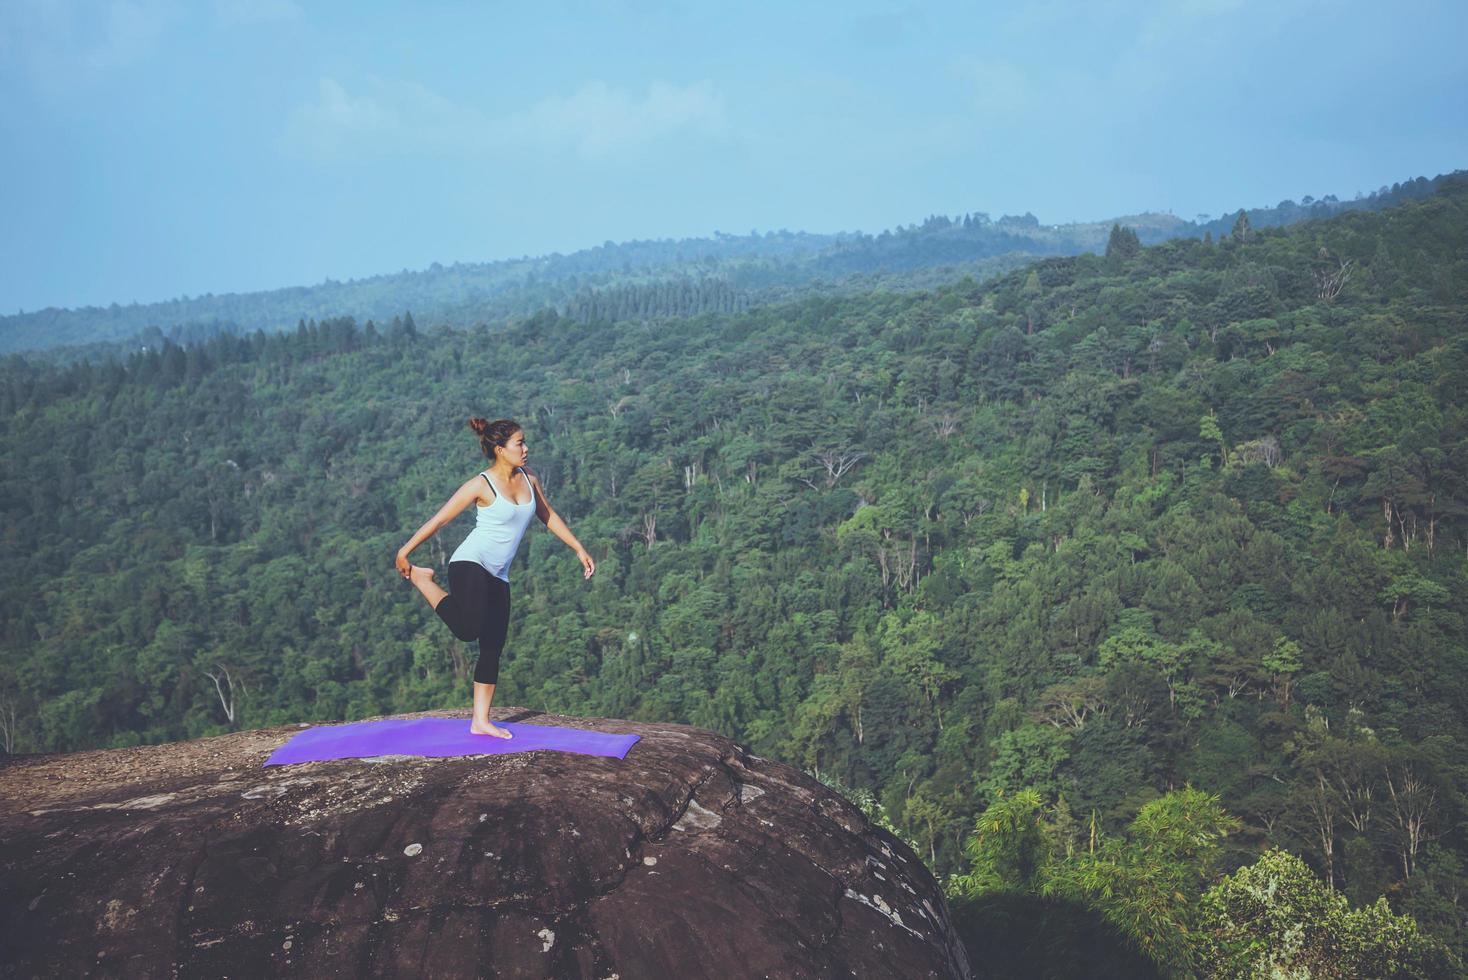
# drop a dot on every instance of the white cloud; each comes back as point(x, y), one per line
point(1190, 22)
point(60, 43)
point(232, 12)
point(595, 121)
point(598, 120)
point(1170, 22)
point(389, 117)
point(998, 89)
point(336, 117)
point(130, 33)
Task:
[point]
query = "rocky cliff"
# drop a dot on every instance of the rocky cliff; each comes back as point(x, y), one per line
point(688, 858)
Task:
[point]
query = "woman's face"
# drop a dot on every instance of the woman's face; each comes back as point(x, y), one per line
point(515, 450)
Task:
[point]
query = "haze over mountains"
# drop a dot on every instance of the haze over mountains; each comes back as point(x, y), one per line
point(636, 279)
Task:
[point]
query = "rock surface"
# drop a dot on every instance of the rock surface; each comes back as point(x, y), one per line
point(688, 858)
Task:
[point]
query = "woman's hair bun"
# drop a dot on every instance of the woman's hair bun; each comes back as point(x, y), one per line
point(491, 434)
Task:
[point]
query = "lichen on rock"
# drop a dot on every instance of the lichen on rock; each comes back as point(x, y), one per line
point(690, 857)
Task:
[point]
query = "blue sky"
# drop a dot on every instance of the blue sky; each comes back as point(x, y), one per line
point(161, 148)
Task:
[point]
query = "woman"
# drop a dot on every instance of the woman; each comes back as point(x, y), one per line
point(479, 605)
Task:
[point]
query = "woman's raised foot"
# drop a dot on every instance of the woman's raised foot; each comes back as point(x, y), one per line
point(420, 575)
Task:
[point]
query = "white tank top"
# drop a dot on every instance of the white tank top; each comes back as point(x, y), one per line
point(498, 529)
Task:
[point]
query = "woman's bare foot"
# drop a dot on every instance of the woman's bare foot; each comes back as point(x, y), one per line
point(488, 728)
point(422, 578)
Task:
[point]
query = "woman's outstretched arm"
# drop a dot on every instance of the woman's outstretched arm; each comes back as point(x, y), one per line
point(463, 497)
point(558, 527)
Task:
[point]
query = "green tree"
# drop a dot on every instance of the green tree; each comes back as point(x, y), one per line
point(1147, 883)
point(1275, 918)
point(1241, 229)
point(1208, 429)
point(1123, 243)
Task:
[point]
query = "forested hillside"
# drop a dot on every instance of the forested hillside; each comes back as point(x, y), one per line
point(643, 279)
point(1099, 529)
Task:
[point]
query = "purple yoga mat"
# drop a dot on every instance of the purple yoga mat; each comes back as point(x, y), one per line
point(439, 737)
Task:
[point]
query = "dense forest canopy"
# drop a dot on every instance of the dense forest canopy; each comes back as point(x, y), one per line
point(1103, 530)
point(643, 279)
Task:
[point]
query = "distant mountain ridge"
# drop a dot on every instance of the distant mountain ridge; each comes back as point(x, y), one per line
point(643, 278)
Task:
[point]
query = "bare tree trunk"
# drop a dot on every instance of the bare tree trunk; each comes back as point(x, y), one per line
point(837, 463)
point(1432, 525)
point(1331, 281)
point(7, 725)
point(1322, 809)
point(1412, 804)
point(226, 701)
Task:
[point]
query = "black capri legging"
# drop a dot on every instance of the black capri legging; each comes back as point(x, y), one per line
point(478, 608)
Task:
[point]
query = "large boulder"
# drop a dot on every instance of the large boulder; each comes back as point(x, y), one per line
point(688, 858)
